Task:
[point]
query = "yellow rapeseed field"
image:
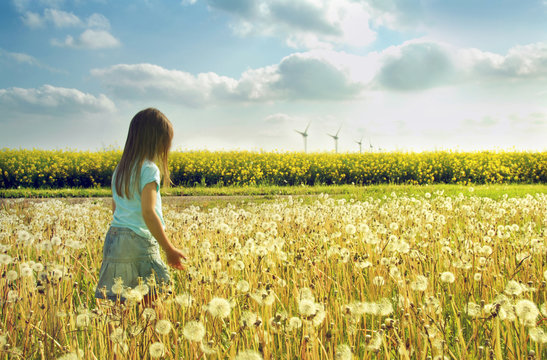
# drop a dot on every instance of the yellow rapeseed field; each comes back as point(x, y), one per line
point(63, 168)
point(400, 277)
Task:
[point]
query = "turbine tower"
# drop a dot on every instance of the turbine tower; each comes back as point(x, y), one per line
point(360, 143)
point(335, 137)
point(305, 137)
point(370, 144)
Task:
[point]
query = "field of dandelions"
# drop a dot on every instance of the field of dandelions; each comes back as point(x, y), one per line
point(400, 277)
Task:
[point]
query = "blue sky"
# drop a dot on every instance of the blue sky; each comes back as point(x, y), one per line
point(244, 74)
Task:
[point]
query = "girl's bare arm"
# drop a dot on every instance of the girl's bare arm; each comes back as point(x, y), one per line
point(148, 202)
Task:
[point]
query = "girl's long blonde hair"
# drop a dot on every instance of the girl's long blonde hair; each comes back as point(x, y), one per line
point(149, 138)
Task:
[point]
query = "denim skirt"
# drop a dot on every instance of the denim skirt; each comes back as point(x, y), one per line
point(133, 259)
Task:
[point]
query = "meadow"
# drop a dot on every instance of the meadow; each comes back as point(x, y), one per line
point(413, 273)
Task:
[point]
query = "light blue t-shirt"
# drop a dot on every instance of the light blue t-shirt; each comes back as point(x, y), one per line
point(128, 212)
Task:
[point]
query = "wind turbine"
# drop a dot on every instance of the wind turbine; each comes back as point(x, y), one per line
point(360, 143)
point(305, 137)
point(370, 144)
point(335, 137)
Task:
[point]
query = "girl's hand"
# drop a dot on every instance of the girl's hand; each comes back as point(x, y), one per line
point(174, 258)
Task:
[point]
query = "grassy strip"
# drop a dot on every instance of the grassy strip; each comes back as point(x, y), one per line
point(493, 191)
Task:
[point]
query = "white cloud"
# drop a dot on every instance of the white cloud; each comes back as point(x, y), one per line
point(98, 21)
point(307, 24)
point(32, 20)
point(61, 18)
point(51, 99)
point(523, 61)
point(58, 18)
point(416, 66)
point(332, 76)
point(89, 39)
point(51, 3)
point(423, 64)
point(396, 14)
point(20, 5)
point(26, 59)
point(310, 77)
point(95, 35)
point(146, 80)
point(20, 57)
point(298, 77)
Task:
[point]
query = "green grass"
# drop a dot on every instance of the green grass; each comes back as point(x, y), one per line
point(494, 191)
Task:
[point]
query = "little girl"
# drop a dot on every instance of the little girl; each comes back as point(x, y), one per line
point(131, 248)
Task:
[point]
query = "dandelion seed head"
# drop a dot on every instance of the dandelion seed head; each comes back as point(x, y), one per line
point(56, 241)
point(194, 331)
point(419, 284)
point(184, 300)
point(72, 355)
point(306, 307)
point(248, 355)
point(472, 309)
point(132, 296)
point(149, 314)
point(239, 265)
point(24, 237)
point(306, 293)
point(118, 335)
point(375, 343)
point(343, 352)
point(12, 275)
point(143, 289)
point(295, 323)
point(477, 276)
point(363, 264)
point(513, 288)
point(242, 286)
point(157, 350)
point(385, 307)
point(219, 307)
point(248, 318)
point(538, 335)
point(117, 289)
point(13, 296)
point(83, 320)
point(37, 267)
point(26, 271)
point(527, 312)
point(447, 277)
point(163, 327)
point(319, 315)
point(350, 229)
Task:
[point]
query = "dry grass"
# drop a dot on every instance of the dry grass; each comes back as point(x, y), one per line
point(409, 276)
